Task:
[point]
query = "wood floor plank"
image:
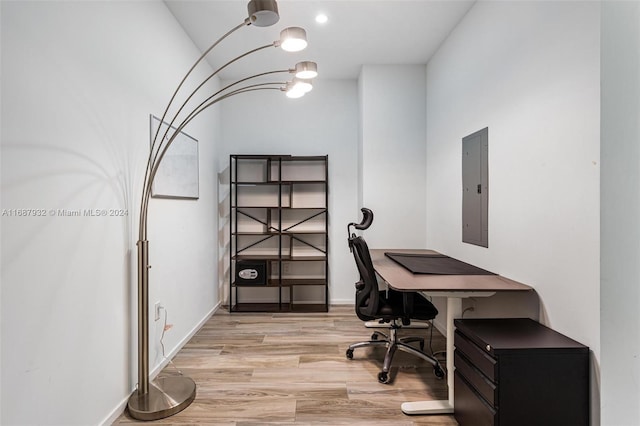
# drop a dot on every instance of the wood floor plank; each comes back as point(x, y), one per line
point(290, 369)
point(263, 391)
point(199, 360)
point(267, 349)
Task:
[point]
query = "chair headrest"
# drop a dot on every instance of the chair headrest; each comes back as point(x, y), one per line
point(367, 219)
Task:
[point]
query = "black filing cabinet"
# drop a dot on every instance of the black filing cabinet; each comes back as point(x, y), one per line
point(517, 372)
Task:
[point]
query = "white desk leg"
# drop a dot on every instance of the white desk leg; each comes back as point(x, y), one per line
point(454, 310)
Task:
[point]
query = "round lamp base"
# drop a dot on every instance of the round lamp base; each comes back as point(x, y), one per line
point(166, 397)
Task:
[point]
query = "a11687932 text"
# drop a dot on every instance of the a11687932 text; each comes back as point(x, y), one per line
point(65, 212)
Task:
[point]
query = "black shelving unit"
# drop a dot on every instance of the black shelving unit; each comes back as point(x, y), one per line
point(278, 233)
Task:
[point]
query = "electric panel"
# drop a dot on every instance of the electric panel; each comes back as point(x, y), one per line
point(475, 188)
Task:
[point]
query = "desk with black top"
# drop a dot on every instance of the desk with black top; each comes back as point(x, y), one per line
point(454, 288)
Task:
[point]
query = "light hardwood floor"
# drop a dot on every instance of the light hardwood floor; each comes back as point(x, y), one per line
point(291, 369)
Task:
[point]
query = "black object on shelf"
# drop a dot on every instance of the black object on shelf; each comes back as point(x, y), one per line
point(251, 272)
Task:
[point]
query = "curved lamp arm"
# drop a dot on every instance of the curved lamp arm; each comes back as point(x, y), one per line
point(153, 154)
point(175, 116)
point(157, 154)
point(291, 39)
point(295, 34)
point(203, 106)
point(246, 22)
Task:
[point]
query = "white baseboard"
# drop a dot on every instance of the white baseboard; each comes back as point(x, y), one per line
point(342, 301)
point(119, 409)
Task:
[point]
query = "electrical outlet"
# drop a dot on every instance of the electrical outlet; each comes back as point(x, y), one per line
point(156, 309)
point(285, 267)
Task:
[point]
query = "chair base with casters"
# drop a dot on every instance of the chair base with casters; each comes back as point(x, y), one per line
point(393, 343)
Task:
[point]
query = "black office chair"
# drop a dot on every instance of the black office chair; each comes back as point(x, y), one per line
point(388, 306)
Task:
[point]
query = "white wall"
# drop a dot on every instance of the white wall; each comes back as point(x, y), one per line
point(620, 210)
point(79, 80)
point(324, 122)
point(529, 71)
point(393, 154)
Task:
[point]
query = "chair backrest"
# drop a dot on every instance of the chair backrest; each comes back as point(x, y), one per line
point(367, 293)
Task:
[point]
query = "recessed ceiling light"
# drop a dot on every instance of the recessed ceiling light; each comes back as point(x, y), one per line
point(321, 18)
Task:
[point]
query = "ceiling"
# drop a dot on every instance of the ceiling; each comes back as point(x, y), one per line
point(358, 32)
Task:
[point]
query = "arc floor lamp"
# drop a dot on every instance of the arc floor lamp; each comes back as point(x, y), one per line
point(167, 396)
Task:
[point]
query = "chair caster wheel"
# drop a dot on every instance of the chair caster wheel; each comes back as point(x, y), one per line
point(349, 353)
point(439, 373)
point(383, 377)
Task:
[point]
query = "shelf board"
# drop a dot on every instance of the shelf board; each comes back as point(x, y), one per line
point(309, 307)
point(277, 182)
point(309, 208)
point(257, 233)
point(305, 208)
point(304, 158)
point(275, 233)
point(285, 307)
point(294, 181)
point(254, 183)
point(284, 257)
point(303, 258)
point(285, 282)
point(255, 257)
point(259, 207)
point(259, 156)
point(271, 283)
point(282, 207)
point(288, 282)
point(258, 307)
point(304, 232)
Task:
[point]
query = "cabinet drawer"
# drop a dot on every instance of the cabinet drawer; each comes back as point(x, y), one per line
point(481, 360)
point(471, 409)
point(482, 385)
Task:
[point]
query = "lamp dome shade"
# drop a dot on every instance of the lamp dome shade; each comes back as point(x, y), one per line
point(293, 92)
point(302, 85)
point(263, 13)
point(306, 70)
point(293, 39)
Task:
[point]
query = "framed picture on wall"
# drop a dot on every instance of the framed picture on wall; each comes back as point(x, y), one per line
point(177, 175)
